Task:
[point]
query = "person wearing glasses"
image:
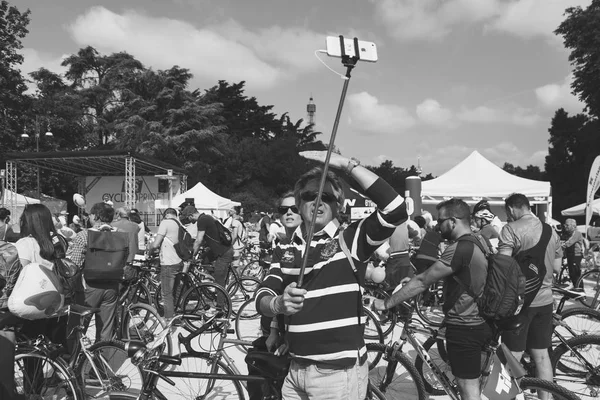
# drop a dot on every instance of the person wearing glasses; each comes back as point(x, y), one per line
point(288, 219)
point(462, 260)
point(324, 317)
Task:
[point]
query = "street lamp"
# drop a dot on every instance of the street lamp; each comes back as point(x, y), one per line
point(48, 134)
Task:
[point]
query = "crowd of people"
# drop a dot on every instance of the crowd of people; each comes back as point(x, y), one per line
point(311, 299)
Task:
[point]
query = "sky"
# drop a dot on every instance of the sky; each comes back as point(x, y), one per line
point(452, 76)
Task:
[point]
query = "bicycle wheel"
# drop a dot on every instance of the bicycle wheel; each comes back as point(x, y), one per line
point(429, 305)
point(395, 376)
point(436, 349)
point(579, 321)
point(576, 365)
point(142, 322)
point(373, 331)
point(108, 369)
point(590, 283)
point(531, 386)
point(240, 290)
point(139, 293)
point(203, 300)
point(182, 283)
point(247, 323)
point(194, 388)
point(387, 319)
point(39, 377)
point(253, 269)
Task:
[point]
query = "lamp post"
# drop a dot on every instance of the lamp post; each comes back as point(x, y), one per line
point(48, 134)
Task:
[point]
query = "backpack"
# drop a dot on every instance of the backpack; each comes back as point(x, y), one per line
point(106, 255)
point(512, 282)
point(185, 244)
point(223, 234)
point(37, 293)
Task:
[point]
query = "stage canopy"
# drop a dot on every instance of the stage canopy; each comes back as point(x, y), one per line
point(579, 209)
point(204, 199)
point(477, 178)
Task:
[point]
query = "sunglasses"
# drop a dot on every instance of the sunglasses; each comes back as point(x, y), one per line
point(284, 209)
point(326, 197)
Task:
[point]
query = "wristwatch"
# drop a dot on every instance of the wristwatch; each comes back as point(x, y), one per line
point(352, 163)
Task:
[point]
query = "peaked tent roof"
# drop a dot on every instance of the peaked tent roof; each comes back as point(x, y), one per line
point(476, 176)
point(204, 199)
point(20, 199)
point(579, 209)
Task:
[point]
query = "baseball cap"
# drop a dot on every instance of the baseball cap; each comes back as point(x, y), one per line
point(189, 210)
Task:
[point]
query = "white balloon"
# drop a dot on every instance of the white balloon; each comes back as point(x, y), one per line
point(378, 274)
point(369, 272)
point(79, 200)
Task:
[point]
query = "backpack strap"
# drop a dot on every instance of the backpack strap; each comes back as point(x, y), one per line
point(346, 251)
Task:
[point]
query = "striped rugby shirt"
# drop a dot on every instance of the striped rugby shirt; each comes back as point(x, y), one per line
point(327, 329)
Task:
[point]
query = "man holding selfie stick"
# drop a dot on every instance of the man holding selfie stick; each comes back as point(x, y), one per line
point(323, 318)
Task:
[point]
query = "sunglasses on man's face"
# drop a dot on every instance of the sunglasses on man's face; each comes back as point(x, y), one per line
point(284, 209)
point(326, 197)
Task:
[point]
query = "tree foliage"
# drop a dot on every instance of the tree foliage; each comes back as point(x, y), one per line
point(396, 176)
point(581, 33)
point(530, 172)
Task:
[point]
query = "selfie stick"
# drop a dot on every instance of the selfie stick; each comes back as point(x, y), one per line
point(349, 63)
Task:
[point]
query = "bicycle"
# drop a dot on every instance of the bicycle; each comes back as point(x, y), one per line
point(195, 374)
point(498, 366)
point(589, 281)
point(577, 362)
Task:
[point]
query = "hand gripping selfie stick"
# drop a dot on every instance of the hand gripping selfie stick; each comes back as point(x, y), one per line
point(349, 63)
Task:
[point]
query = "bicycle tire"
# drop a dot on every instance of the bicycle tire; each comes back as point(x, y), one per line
point(49, 378)
point(388, 318)
point(589, 281)
point(439, 356)
point(194, 388)
point(407, 383)
point(139, 294)
point(240, 290)
point(183, 281)
point(142, 322)
point(202, 300)
point(247, 324)
point(558, 392)
point(570, 371)
point(580, 321)
point(373, 331)
point(116, 370)
point(430, 309)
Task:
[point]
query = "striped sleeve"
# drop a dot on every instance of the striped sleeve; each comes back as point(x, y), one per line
point(365, 236)
point(272, 285)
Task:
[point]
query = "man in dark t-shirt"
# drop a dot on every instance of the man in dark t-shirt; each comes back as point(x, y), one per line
point(219, 254)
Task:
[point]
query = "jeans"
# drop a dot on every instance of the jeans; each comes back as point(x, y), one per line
point(315, 381)
point(221, 265)
point(167, 284)
point(105, 298)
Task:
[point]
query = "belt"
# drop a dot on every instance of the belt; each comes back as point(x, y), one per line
point(305, 363)
point(398, 253)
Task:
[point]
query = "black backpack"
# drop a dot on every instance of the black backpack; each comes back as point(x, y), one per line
point(185, 244)
point(512, 282)
point(223, 234)
point(106, 255)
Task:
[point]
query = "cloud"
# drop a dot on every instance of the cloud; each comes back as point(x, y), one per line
point(557, 95)
point(431, 112)
point(482, 114)
point(34, 60)
point(434, 19)
point(227, 51)
point(368, 114)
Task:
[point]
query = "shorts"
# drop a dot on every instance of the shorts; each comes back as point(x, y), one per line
point(536, 331)
point(465, 345)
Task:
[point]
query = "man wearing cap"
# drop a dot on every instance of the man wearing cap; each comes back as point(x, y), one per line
point(124, 224)
point(219, 254)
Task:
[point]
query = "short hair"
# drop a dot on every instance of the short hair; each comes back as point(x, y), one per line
point(457, 208)
point(238, 209)
point(170, 211)
point(316, 174)
point(122, 212)
point(570, 221)
point(517, 200)
point(4, 212)
point(104, 212)
point(421, 221)
point(287, 194)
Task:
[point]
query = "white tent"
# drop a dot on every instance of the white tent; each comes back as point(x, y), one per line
point(20, 202)
point(579, 209)
point(476, 177)
point(204, 199)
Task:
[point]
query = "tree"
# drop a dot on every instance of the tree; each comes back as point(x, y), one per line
point(529, 172)
point(581, 33)
point(13, 28)
point(574, 143)
point(396, 176)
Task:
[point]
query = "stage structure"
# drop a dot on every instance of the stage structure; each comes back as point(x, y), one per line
point(125, 178)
